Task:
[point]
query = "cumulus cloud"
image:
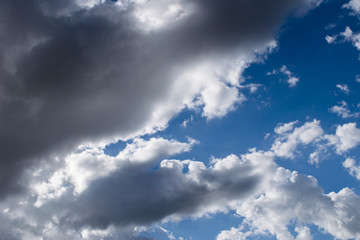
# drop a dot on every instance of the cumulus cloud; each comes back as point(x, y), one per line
point(74, 71)
point(240, 233)
point(347, 136)
point(287, 142)
point(138, 194)
point(285, 127)
point(342, 110)
point(142, 186)
point(354, 5)
point(352, 167)
point(299, 197)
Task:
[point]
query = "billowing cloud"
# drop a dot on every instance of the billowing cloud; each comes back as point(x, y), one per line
point(354, 5)
point(74, 71)
point(299, 198)
point(352, 167)
point(288, 141)
point(142, 186)
point(346, 137)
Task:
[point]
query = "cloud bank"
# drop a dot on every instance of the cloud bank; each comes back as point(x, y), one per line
point(142, 186)
point(74, 71)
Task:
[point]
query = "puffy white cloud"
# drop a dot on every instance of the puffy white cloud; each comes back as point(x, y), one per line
point(352, 167)
point(298, 197)
point(316, 156)
point(285, 127)
point(346, 137)
point(240, 233)
point(286, 143)
point(218, 99)
point(354, 5)
point(342, 110)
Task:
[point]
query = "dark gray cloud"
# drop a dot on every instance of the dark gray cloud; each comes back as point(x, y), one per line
point(144, 196)
point(155, 196)
point(69, 74)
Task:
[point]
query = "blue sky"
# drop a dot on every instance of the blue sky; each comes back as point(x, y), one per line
point(180, 120)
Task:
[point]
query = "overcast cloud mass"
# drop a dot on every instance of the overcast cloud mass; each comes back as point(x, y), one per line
point(91, 93)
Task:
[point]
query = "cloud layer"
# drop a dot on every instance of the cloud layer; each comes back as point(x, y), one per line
point(78, 70)
point(142, 186)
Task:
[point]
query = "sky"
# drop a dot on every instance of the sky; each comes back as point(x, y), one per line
point(179, 119)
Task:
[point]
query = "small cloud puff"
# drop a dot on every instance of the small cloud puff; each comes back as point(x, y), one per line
point(291, 79)
point(344, 88)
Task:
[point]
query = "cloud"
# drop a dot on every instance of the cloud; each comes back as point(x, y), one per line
point(138, 194)
point(330, 39)
point(299, 197)
point(240, 233)
point(353, 169)
point(342, 110)
point(291, 79)
point(354, 5)
point(303, 233)
point(287, 142)
point(284, 128)
point(357, 78)
point(344, 88)
point(143, 187)
point(346, 137)
point(347, 36)
point(75, 71)
point(81, 168)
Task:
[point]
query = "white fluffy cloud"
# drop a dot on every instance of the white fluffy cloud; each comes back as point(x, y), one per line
point(342, 110)
point(354, 5)
point(344, 88)
point(298, 197)
point(286, 143)
point(346, 137)
point(352, 167)
point(285, 127)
